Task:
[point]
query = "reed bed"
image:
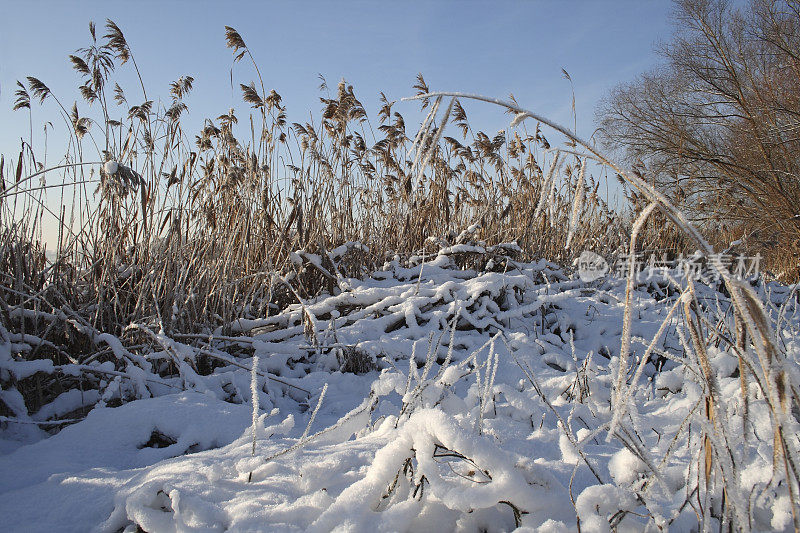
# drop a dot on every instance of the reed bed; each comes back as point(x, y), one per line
point(192, 231)
point(165, 233)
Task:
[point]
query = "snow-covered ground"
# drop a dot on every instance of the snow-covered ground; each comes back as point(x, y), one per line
point(486, 407)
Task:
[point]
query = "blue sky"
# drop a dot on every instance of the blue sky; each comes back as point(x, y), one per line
point(493, 48)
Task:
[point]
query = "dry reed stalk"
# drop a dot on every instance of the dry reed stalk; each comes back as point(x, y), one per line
point(743, 298)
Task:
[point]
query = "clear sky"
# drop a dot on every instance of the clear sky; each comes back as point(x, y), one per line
point(492, 48)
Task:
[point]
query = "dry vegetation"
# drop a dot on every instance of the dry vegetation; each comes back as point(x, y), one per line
point(194, 232)
point(715, 127)
point(165, 232)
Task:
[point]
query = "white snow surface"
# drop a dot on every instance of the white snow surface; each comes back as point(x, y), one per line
point(110, 167)
point(450, 433)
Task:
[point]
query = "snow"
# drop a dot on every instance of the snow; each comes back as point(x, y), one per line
point(625, 467)
point(66, 482)
point(487, 409)
point(110, 167)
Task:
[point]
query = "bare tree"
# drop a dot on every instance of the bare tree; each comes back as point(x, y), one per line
point(717, 126)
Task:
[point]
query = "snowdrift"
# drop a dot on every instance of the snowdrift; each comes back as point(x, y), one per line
point(482, 402)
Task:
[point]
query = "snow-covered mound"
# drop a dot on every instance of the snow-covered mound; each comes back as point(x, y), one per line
point(483, 402)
